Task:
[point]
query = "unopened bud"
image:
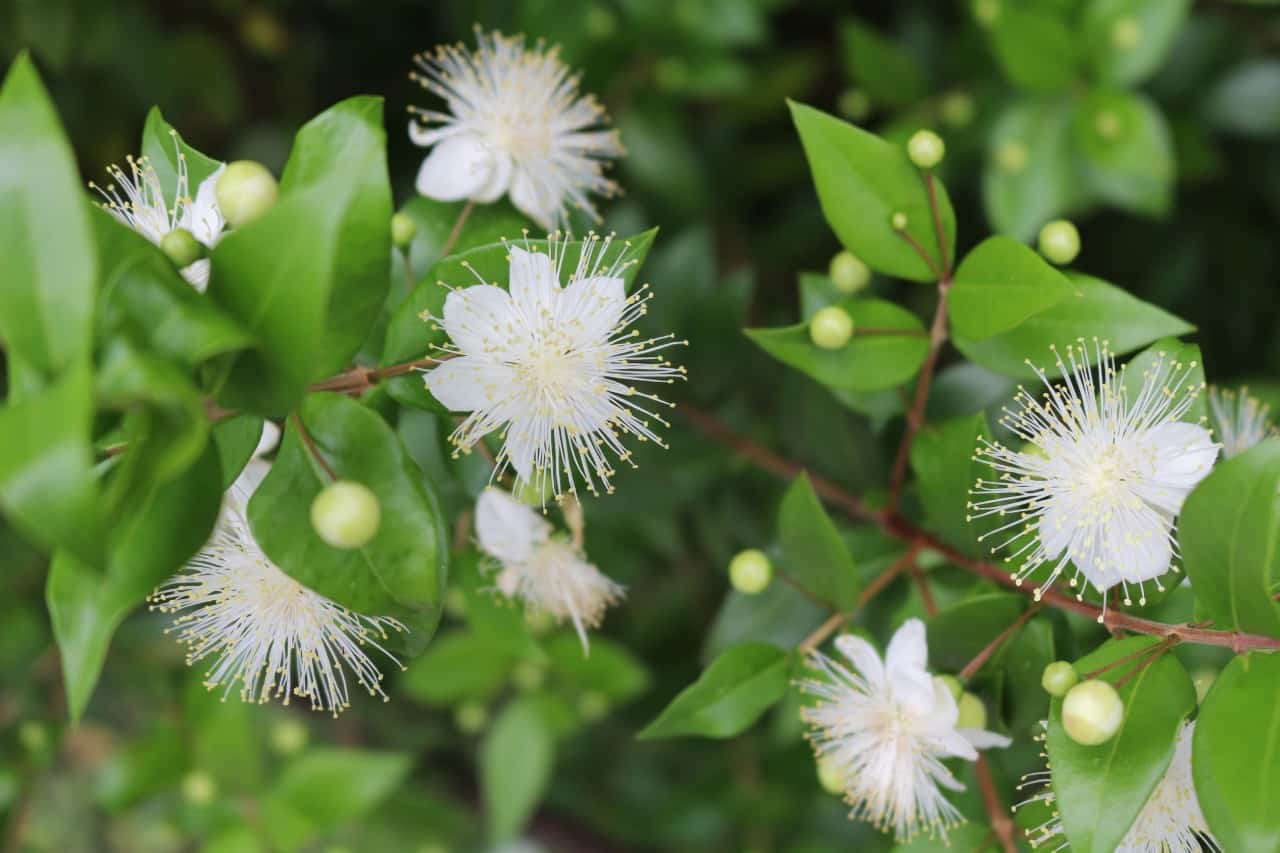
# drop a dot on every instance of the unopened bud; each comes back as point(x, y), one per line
point(198, 788)
point(1092, 712)
point(1012, 157)
point(854, 105)
point(750, 571)
point(1058, 678)
point(470, 717)
point(289, 736)
point(957, 109)
point(926, 149)
point(898, 221)
point(346, 514)
point(952, 684)
point(831, 327)
point(830, 776)
point(593, 705)
point(848, 273)
point(182, 247)
point(1060, 242)
point(245, 191)
point(973, 714)
point(1126, 32)
point(528, 675)
point(403, 227)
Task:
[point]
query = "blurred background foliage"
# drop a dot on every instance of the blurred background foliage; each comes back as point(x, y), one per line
point(1167, 161)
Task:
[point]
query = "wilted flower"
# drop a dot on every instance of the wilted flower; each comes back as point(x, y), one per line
point(1239, 420)
point(549, 573)
point(1104, 473)
point(137, 199)
point(553, 367)
point(263, 629)
point(1170, 822)
point(885, 728)
point(516, 125)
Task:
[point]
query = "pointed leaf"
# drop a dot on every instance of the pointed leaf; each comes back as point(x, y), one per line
point(735, 690)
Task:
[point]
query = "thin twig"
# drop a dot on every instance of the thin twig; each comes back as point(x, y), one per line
point(924, 256)
point(972, 667)
point(836, 620)
point(931, 186)
point(1145, 650)
point(926, 594)
point(457, 229)
point(1001, 823)
point(311, 445)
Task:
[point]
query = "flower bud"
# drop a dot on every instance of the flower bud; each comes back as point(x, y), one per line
point(957, 109)
point(830, 777)
point(926, 149)
point(528, 675)
point(470, 717)
point(245, 191)
point(973, 714)
point(593, 705)
point(848, 273)
point(831, 327)
point(1012, 157)
point(750, 571)
point(1126, 32)
point(1092, 712)
point(953, 685)
point(198, 788)
point(854, 105)
point(182, 247)
point(898, 221)
point(1107, 125)
point(289, 737)
point(1058, 678)
point(403, 228)
point(986, 11)
point(1060, 242)
point(346, 514)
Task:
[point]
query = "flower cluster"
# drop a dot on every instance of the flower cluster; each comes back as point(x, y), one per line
point(885, 727)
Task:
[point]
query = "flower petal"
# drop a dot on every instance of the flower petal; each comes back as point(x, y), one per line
point(908, 649)
point(481, 321)
point(534, 284)
point(983, 739)
point(535, 200)
point(1140, 547)
point(863, 657)
point(506, 528)
point(954, 744)
point(202, 217)
point(499, 179)
point(458, 167)
point(590, 309)
point(467, 384)
point(1184, 454)
point(525, 437)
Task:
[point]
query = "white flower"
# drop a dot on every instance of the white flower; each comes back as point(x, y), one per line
point(137, 200)
point(1103, 475)
point(553, 367)
point(886, 727)
point(516, 125)
point(1239, 420)
point(1170, 822)
point(547, 572)
point(260, 627)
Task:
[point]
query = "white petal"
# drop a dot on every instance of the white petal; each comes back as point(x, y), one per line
point(1141, 547)
point(197, 274)
point(533, 283)
point(534, 199)
point(590, 309)
point(908, 649)
point(268, 439)
point(467, 384)
point(457, 168)
point(1056, 527)
point(863, 657)
point(246, 484)
point(524, 438)
point(1184, 455)
point(983, 739)
point(499, 179)
point(955, 744)
point(913, 689)
point(202, 217)
point(481, 321)
point(506, 528)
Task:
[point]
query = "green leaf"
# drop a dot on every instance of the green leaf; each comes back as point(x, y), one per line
point(169, 153)
point(1227, 535)
point(1030, 177)
point(458, 667)
point(1127, 151)
point(1000, 284)
point(1035, 47)
point(236, 438)
point(959, 631)
point(1236, 755)
point(862, 181)
point(1101, 789)
point(728, 697)
point(1247, 99)
point(813, 554)
point(869, 362)
point(781, 615)
point(1106, 27)
point(309, 278)
point(47, 485)
point(153, 540)
point(516, 759)
point(47, 300)
point(326, 788)
point(401, 571)
point(942, 457)
point(409, 337)
point(609, 669)
point(890, 75)
point(1094, 308)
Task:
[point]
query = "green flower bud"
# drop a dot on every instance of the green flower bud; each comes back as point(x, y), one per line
point(831, 327)
point(1058, 678)
point(403, 227)
point(750, 571)
point(593, 705)
point(346, 514)
point(1012, 157)
point(957, 109)
point(1092, 712)
point(182, 247)
point(898, 221)
point(470, 717)
point(1126, 32)
point(198, 788)
point(1060, 242)
point(1107, 125)
point(986, 11)
point(926, 149)
point(848, 273)
point(289, 737)
point(854, 104)
point(973, 714)
point(245, 191)
point(952, 684)
point(830, 777)
point(528, 675)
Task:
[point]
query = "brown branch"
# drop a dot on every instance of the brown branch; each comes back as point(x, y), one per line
point(926, 594)
point(932, 187)
point(1001, 823)
point(972, 667)
point(836, 620)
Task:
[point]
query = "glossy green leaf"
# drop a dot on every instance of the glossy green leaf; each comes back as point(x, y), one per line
point(869, 362)
point(516, 759)
point(999, 285)
point(942, 457)
point(47, 300)
point(1228, 533)
point(780, 615)
point(1109, 26)
point(609, 669)
point(459, 666)
point(401, 571)
point(1030, 176)
point(1247, 99)
point(153, 540)
point(728, 697)
point(959, 631)
point(1093, 308)
point(236, 438)
point(888, 74)
point(1101, 789)
point(168, 153)
point(813, 554)
point(1236, 755)
point(309, 278)
point(862, 181)
point(1035, 47)
point(1127, 151)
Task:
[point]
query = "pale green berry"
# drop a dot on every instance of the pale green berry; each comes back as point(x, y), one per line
point(1012, 156)
point(898, 221)
point(346, 514)
point(403, 227)
point(1107, 125)
point(528, 675)
point(1202, 680)
point(986, 11)
point(1060, 242)
point(245, 191)
point(593, 705)
point(470, 717)
point(289, 737)
point(182, 247)
point(854, 104)
point(830, 777)
point(1092, 712)
point(750, 571)
point(952, 684)
point(957, 109)
point(848, 273)
point(926, 149)
point(973, 714)
point(199, 788)
point(1126, 32)
point(831, 327)
point(1058, 678)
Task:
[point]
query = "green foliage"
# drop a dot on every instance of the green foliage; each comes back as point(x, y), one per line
point(731, 694)
point(999, 286)
point(515, 766)
point(943, 459)
point(811, 549)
